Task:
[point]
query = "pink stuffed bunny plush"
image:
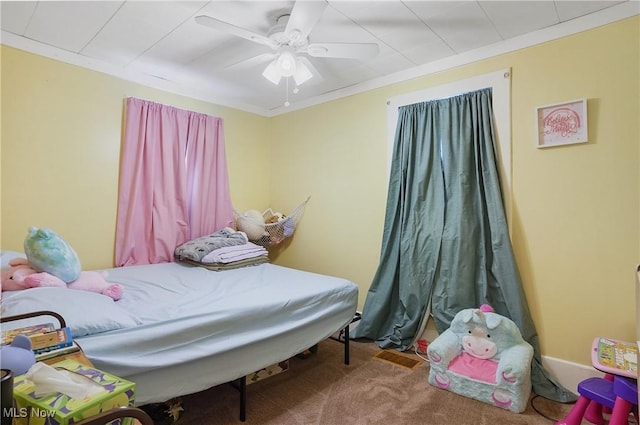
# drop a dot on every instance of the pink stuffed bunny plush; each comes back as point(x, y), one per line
point(16, 277)
point(97, 282)
point(21, 276)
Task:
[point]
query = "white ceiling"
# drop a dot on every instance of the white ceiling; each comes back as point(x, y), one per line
point(158, 43)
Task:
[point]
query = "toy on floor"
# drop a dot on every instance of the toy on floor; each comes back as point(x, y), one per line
point(308, 352)
point(166, 413)
point(483, 356)
point(617, 393)
point(22, 274)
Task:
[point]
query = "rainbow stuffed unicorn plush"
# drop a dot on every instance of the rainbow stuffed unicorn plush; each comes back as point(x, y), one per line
point(483, 356)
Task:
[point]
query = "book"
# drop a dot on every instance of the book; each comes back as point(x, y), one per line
point(44, 340)
point(8, 335)
point(61, 338)
point(615, 357)
point(44, 355)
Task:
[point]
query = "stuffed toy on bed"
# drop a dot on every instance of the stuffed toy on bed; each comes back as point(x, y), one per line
point(20, 276)
point(51, 262)
point(48, 252)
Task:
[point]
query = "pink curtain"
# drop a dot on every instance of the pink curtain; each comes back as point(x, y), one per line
point(174, 184)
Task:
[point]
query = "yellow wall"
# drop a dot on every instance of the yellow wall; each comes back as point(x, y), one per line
point(575, 208)
point(61, 136)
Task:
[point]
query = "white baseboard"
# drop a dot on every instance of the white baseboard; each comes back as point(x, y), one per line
point(569, 374)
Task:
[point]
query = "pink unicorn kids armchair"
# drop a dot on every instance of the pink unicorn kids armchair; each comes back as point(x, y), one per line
point(483, 356)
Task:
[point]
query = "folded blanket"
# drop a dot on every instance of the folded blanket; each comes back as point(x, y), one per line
point(230, 266)
point(197, 248)
point(229, 254)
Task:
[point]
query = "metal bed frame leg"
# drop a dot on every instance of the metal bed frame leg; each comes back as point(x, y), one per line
point(346, 344)
point(243, 398)
point(242, 382)
point(344, 333)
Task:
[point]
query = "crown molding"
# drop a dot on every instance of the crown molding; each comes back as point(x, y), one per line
point(612, 14)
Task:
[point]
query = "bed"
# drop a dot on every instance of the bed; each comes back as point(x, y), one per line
point(180, 329)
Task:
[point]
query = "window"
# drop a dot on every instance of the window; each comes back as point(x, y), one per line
point(500, 83)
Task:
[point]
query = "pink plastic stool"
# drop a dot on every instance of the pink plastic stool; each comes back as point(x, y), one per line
point(626, 391)
point(619, 395)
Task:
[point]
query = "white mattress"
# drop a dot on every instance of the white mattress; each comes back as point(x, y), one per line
point(186, 328)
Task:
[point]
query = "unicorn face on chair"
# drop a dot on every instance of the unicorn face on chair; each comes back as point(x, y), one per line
point(485, 333)
point(478, 343)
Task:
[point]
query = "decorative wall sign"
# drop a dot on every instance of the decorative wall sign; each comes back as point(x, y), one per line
point(562, 123)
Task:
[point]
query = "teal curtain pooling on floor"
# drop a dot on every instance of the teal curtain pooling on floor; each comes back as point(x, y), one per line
point(445, 235)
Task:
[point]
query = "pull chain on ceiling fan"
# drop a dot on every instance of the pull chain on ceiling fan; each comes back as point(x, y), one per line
point(289, 41)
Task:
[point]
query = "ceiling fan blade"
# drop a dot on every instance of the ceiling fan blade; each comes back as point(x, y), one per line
point(343, 50)
point(252, 61)
point(304, 16)
point(234, 30)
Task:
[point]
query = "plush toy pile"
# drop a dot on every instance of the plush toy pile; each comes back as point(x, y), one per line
point(51, 262)
point(268, 228)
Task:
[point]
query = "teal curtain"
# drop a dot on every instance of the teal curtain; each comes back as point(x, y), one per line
point(445, 234)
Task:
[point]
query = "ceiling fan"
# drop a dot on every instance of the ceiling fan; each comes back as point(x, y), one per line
point(289, 41)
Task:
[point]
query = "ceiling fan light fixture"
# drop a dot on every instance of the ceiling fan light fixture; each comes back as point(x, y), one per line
point(290, 37)
point(287, 63)
point(302, 74)
point(272, 72)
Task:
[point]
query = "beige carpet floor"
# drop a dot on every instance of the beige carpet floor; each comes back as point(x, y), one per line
point(321, 390)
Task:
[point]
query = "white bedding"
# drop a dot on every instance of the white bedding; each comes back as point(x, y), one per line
point(182, 329)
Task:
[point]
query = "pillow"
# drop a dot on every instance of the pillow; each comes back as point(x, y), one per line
point(6, 256)
point(86, 313)
point(48, 252)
